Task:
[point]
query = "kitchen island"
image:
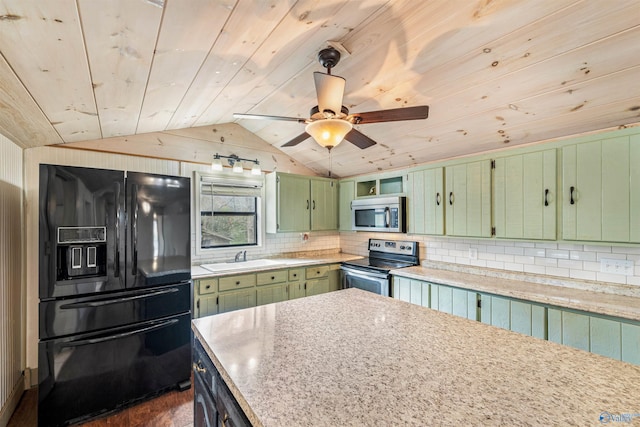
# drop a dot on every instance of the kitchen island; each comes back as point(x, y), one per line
point(355, 358)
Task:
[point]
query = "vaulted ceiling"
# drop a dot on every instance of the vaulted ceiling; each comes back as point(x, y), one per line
point(495, 73)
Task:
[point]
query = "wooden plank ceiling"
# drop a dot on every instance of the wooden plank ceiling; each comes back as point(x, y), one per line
point(129, 75)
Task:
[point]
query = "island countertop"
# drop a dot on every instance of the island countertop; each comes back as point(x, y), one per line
point(355, 358)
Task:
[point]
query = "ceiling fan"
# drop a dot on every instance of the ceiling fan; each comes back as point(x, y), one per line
point(330, 121)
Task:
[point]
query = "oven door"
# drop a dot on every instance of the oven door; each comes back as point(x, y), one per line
point(376, 282)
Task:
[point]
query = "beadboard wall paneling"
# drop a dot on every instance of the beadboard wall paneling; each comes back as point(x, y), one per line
point(11, 312)
point(565, 260)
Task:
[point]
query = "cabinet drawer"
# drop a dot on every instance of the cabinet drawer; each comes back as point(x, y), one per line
point(315, 272)
point(207, 286)
point(237, 282)
point(271, 277)
point(296, 274)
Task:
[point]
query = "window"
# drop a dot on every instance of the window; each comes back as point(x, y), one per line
point(229, 212)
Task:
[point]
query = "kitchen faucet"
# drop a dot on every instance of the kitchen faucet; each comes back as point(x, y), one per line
point(242, 254)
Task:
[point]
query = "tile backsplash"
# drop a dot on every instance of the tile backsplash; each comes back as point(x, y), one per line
point(560, 259)
point(274, 244)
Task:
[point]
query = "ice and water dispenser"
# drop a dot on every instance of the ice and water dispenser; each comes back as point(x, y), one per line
point(81, 252)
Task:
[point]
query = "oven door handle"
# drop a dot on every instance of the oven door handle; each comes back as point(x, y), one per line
point(121, 335)
point(363, 275)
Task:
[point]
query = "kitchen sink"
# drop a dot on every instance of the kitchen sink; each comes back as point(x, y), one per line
point(241, 265)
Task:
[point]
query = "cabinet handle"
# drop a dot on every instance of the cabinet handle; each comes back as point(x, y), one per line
point(295, 275)
point(307, 205)
point(451, 198)
point(237, 283)
point(199, 368)
point(437, 199)
point(208, 287)
point(571, 199)
point(314, 205)
point(272, 277)
point(546, 197)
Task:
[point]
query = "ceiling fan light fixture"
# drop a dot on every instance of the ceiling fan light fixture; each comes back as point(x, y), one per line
point(329, 132)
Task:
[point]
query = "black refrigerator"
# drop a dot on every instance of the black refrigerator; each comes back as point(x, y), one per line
point(114, 289)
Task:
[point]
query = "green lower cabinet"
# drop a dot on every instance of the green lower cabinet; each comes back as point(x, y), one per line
point(411, 290)
point(236, 300)
point(206, 306)
point(317, 286)
point(515, 315)
point(631, 343)
point(271, 294)
point(296, 290)
point(605, 336)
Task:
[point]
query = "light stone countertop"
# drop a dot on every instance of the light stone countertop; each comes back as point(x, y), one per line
point(355, 358)
point(284, 260)
point(600, 298)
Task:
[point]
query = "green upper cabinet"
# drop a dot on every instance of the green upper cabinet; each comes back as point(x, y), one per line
point(601, 190)
point(324, 204)
point(300, 203)
point(346, 194)
point(525, 196)
point(468, 199)
point(425, 205)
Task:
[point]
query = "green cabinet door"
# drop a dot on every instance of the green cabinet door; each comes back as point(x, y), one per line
point(426, 202)
point(206, 306)
point(296, 290)
point(270, 294)
point(346, 194)
point(601, 198)
point(468, 199)
point(402, 288)
point(568, 328)
point(294, 203)
point(519, 316)
point(605, 337)
point(525, 196)
point(235, 300)
point(317, 286)
point(324, 205)
point(631, 342)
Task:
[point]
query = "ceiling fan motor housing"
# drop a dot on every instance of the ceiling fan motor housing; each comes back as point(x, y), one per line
point(329, 58)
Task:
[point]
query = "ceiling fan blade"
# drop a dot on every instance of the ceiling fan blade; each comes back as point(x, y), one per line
point(297, 140)
point(263, 117)
point(329, 90)
point(359, 139)
point(395, 114)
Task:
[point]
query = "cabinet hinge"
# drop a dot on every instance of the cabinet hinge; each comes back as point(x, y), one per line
point(493, 231)
point(278, 179)
point(493, 164)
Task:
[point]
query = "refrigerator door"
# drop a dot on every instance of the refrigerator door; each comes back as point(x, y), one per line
point(72, 316)
point(86, 375)
point(81, 231)
point(158, 229)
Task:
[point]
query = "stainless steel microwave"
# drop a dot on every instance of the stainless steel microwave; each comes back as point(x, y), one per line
point(386, 214)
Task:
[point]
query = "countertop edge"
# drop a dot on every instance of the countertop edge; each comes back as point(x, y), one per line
point(287, 262)
point(566, 297)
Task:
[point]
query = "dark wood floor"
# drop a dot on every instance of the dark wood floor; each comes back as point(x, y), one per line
point(174, 409)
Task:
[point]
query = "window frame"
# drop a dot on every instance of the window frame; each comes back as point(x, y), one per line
point(224, 179)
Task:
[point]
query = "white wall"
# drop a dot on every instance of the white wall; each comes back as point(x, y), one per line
point(564, 260)
point(11, 306)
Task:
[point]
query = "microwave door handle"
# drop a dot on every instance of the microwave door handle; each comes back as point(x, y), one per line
point(387, 217)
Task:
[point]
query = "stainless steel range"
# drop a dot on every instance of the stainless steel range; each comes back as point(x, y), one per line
point(372, 273)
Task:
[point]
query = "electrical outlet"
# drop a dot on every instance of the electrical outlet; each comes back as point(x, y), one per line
point(616, 266)
point(473, 253)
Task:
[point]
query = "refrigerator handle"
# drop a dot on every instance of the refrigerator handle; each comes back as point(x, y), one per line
point(109, 301)
point(117, 250)
point(134, 230)
point(121, 335)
